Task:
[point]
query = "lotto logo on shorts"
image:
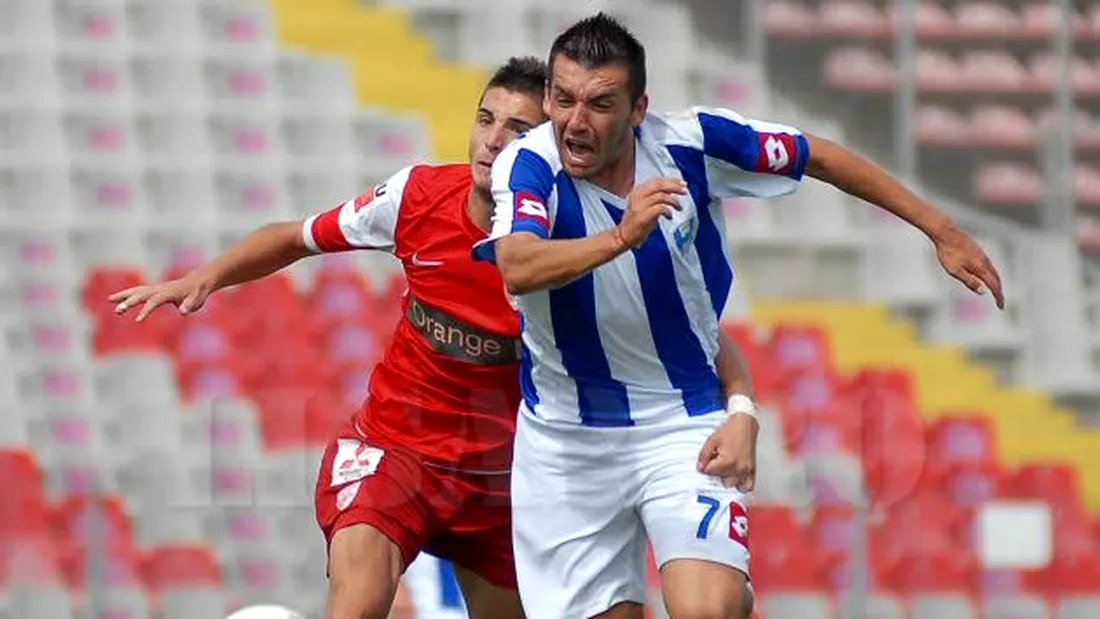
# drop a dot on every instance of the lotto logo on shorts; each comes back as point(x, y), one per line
point(529, 206)
point(739, 524)
point(354, 460)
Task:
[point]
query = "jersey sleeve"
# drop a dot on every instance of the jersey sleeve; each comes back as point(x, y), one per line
point(746, 157)
point(523, 182)
point(368, 221)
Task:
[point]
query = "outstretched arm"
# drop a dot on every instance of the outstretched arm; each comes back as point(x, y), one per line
point(261, 253)
point(959, 254)
point(368, 221)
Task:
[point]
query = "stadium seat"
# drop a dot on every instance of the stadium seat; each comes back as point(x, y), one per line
point(942, 606)
point(1001, 126)
point(41, 602)
point(168, 79)
point(852, 18)
point(942, 126)
point(796, 606)
point(961, 438)
point(1016, 607)
point(1078, 607)
point(93, 81)
point(186, 602)
point(789, 19)
point(985, 19)
point(1007, 184)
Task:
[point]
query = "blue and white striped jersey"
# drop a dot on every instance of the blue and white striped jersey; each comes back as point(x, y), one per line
point(634, 341)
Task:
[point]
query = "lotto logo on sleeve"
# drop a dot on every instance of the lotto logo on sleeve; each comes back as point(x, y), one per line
point(778, 152)
point(530, 207)
point(739, 524)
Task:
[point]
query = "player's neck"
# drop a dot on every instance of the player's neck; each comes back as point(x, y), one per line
point(479, 208)
point(618, 177)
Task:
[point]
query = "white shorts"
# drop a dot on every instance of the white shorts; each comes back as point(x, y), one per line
point(584, 501)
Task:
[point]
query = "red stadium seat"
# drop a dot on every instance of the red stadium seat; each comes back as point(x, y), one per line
point(101, 283)
point(782, 557)
point(77, 524)
point(971, 483)
point(1008, 184)
point(1086, 185)
point(940, 125)
point(852, 18)
point(344, 340)
point(985, 19)
point(203, 339)
point(960, 438)
point(119, 334)
point(295, 366)
point(1055, 482)
point(939, 572)
point(789, 19)
point(293, 418)
point(180, 566)
point(1002, 126)
point(990, 71)
point(209, 379)
point(795, 347)
point(30, 560)
point(937, 70)
point(1069, 576)
point(349, 380)
point(859, 69)
point(23, 512)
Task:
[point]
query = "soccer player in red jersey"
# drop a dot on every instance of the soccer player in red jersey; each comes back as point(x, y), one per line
point(424, 464)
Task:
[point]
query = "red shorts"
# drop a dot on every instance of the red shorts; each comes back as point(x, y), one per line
point(465, 518)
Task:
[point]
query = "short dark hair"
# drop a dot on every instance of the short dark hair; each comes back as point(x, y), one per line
point(525, 74)
point(601, 40)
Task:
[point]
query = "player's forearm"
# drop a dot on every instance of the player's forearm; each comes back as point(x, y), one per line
point(732, 367)
point(529, 264)
point(261, 253)
point(856, 176)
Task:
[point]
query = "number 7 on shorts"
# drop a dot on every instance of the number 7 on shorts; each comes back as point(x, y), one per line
point(713, 505)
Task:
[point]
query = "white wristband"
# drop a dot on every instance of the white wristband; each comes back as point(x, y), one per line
point(740, 403)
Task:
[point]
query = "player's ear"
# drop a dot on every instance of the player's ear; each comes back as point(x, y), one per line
point(637, 114)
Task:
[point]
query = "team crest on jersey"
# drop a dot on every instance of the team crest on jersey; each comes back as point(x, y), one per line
point(684, 234)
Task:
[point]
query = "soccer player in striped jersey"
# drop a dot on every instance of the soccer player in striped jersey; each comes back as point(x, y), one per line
point(609, 232)
point(424, 464)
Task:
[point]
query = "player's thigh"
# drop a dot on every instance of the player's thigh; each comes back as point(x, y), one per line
point(370, 505)
point(364, 568)
point(485, 600)
point(694, 521)
point(697, 589)
point(578, 544)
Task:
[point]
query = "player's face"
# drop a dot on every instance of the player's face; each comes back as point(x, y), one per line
point(593, 115)
point(502, 115)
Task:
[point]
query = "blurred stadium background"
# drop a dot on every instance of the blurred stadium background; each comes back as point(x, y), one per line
point(166, 470)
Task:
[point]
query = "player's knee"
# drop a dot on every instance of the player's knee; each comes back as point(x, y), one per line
point(364, 570)
point(349, 602)
point(735, 603)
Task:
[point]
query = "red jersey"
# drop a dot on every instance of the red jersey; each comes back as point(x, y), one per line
point(448, 385)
